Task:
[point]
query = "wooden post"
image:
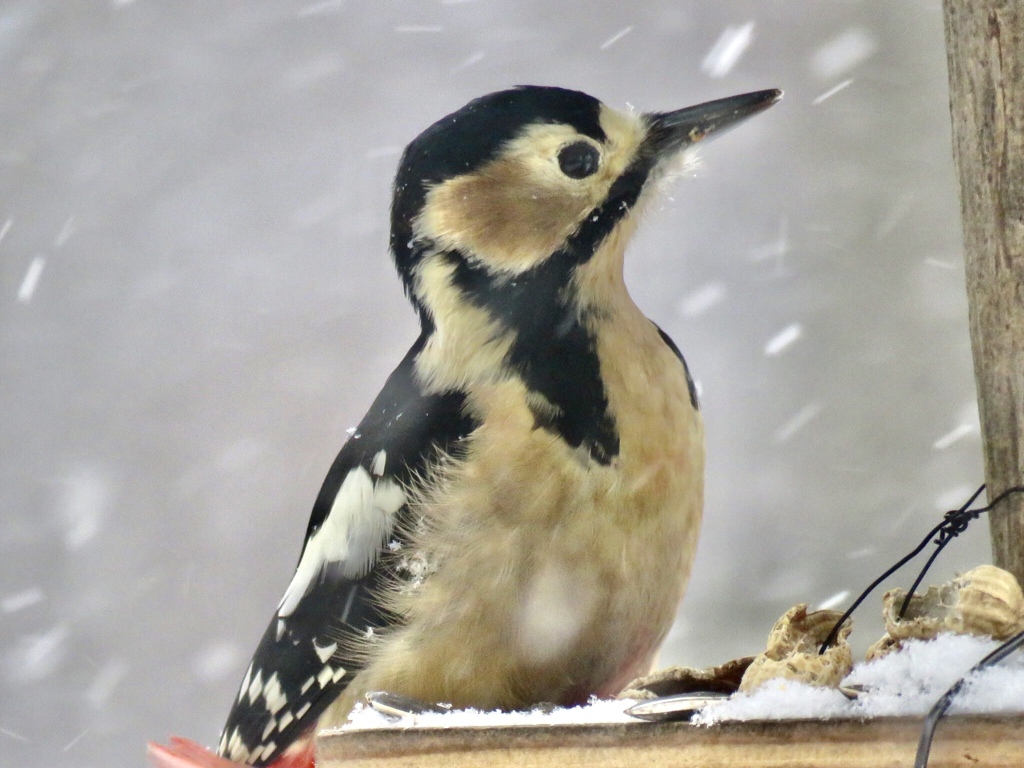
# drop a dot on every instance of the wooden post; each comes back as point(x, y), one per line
point(985, 49)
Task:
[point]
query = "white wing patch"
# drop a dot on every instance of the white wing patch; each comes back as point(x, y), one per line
point(360, 520)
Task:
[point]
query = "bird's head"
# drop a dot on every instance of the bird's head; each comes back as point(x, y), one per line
point(522, 187)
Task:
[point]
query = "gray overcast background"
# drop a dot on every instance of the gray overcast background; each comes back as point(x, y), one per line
point(196, 302)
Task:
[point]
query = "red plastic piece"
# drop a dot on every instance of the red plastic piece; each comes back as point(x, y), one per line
point(184, 753)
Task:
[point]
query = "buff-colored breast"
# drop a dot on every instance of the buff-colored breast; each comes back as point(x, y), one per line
point(554, 577)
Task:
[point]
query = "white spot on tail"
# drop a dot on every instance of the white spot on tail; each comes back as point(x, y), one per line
point(379, 462)
point(303, 710)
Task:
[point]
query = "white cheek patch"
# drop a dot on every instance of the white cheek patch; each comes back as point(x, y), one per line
point(360, 520)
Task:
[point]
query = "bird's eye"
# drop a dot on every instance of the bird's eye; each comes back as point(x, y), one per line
point(579, 160)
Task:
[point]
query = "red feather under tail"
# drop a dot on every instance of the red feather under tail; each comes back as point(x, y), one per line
point(184, 753)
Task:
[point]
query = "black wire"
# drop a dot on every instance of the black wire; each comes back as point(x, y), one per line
point(899, 564)
point(924, 745)
point(954, 523)
point(952, 519)
point(931, 722)
point(863, 595)
point(920, 578)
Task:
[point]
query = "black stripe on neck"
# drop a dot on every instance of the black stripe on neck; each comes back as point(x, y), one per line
point(553, 353)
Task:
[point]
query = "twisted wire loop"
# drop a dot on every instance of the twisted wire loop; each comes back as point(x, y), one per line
point(953, 524)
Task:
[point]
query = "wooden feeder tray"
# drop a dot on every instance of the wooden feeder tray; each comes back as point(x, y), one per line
point(979, 741)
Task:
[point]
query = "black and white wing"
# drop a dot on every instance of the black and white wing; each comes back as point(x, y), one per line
point(299, 668)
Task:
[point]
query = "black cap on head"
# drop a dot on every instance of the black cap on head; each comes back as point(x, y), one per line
point(467, 139)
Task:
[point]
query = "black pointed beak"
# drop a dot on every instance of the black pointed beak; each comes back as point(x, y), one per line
point(669, 132)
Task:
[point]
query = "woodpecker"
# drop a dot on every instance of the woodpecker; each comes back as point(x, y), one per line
point(515, 519)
